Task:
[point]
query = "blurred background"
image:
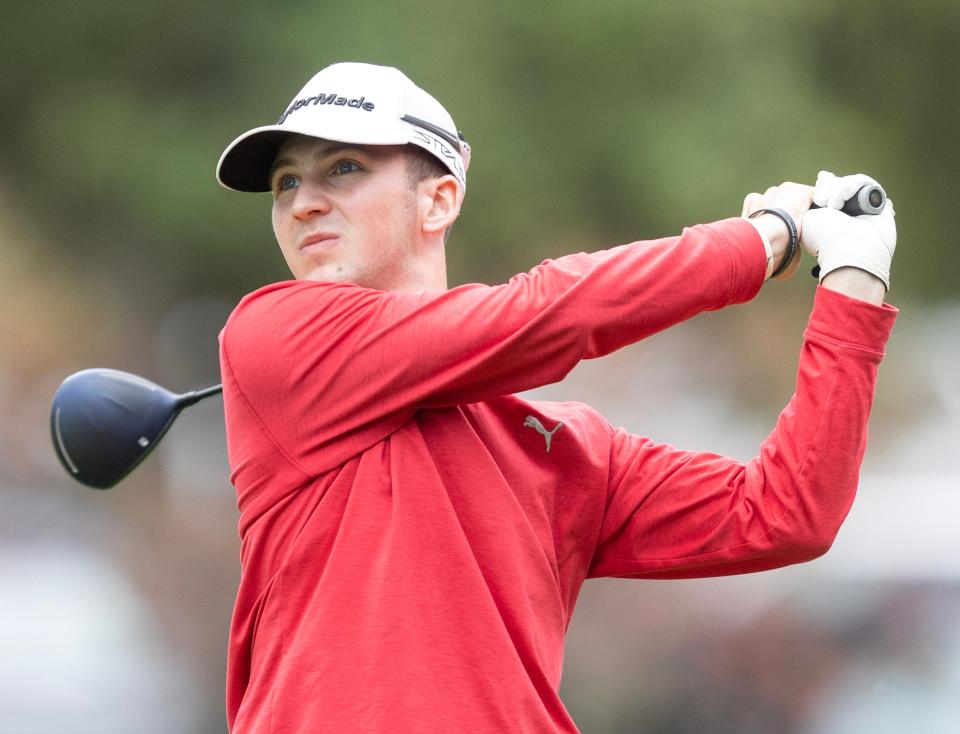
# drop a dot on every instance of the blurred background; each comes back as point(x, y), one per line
point(592, 124)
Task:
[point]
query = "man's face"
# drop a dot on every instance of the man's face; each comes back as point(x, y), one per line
point(343, 212)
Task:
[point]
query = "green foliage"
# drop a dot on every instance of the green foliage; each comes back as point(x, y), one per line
point(591, 124)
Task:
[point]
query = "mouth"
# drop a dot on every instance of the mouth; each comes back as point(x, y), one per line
point(317, 241)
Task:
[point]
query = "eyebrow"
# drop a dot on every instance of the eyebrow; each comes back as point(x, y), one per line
point(323, 152)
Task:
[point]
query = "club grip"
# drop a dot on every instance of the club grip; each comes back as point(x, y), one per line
point(869, 199)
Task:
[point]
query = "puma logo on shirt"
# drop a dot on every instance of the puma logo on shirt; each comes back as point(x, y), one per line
point(533, 422)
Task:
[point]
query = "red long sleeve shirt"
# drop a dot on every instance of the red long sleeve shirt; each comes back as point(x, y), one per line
point(414, 536)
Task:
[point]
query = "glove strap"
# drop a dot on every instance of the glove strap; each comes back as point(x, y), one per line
point(794, 237)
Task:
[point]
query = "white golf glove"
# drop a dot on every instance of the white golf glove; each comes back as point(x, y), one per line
point(838, 240)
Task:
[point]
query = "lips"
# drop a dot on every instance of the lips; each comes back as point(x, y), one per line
point(317, 241)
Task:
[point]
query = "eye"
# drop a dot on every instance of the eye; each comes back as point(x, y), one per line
point(286, 182)
point(343, 167)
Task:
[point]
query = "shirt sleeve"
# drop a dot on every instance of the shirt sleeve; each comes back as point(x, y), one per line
point(683, 514)
point(319, 363)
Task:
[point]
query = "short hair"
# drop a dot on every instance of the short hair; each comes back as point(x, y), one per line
point(422, 165)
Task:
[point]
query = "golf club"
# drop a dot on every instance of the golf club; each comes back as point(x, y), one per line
point(104, 422)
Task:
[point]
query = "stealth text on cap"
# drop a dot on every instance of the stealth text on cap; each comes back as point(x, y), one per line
point(326, 99)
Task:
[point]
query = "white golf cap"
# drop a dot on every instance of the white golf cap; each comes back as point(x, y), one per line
point(349, 103)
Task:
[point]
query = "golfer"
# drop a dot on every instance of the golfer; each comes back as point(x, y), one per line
point(414, 535)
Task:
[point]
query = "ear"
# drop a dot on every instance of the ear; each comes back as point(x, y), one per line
point(440, 200)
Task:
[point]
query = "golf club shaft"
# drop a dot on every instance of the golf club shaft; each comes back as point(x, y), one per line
point(188, 399)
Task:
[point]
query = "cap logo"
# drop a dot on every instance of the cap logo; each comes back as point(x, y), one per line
point(331, 99)
point(441, 150)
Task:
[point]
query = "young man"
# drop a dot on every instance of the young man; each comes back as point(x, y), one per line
point(414, 536)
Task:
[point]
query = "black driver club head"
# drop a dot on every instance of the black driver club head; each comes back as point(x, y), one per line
point(104, 422)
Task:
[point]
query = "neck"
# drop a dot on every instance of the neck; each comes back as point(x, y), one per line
point(428, 274)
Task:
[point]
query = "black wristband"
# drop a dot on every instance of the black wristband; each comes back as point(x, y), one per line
point(794, 237)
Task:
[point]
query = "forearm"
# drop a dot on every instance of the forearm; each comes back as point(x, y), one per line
point(681, 514)
point(534, 330)
point(809, 466)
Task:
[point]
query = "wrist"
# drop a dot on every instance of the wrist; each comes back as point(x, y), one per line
point(777, 235)
point(856, 283)
point(779, 230)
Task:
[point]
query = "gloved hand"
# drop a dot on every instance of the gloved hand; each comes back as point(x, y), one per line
point(838, 240)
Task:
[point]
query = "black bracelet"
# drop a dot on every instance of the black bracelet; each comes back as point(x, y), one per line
point(794, 236)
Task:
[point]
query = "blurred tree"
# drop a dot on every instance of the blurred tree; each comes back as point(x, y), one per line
point(591, 124)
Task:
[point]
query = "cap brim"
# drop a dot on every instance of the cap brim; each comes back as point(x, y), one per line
point(245, 164)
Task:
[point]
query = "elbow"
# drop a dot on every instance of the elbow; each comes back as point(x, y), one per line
point(818, 547)
point(812, 544)
point(812, 519)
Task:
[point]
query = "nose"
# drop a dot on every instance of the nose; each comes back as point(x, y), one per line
point(309, 200)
